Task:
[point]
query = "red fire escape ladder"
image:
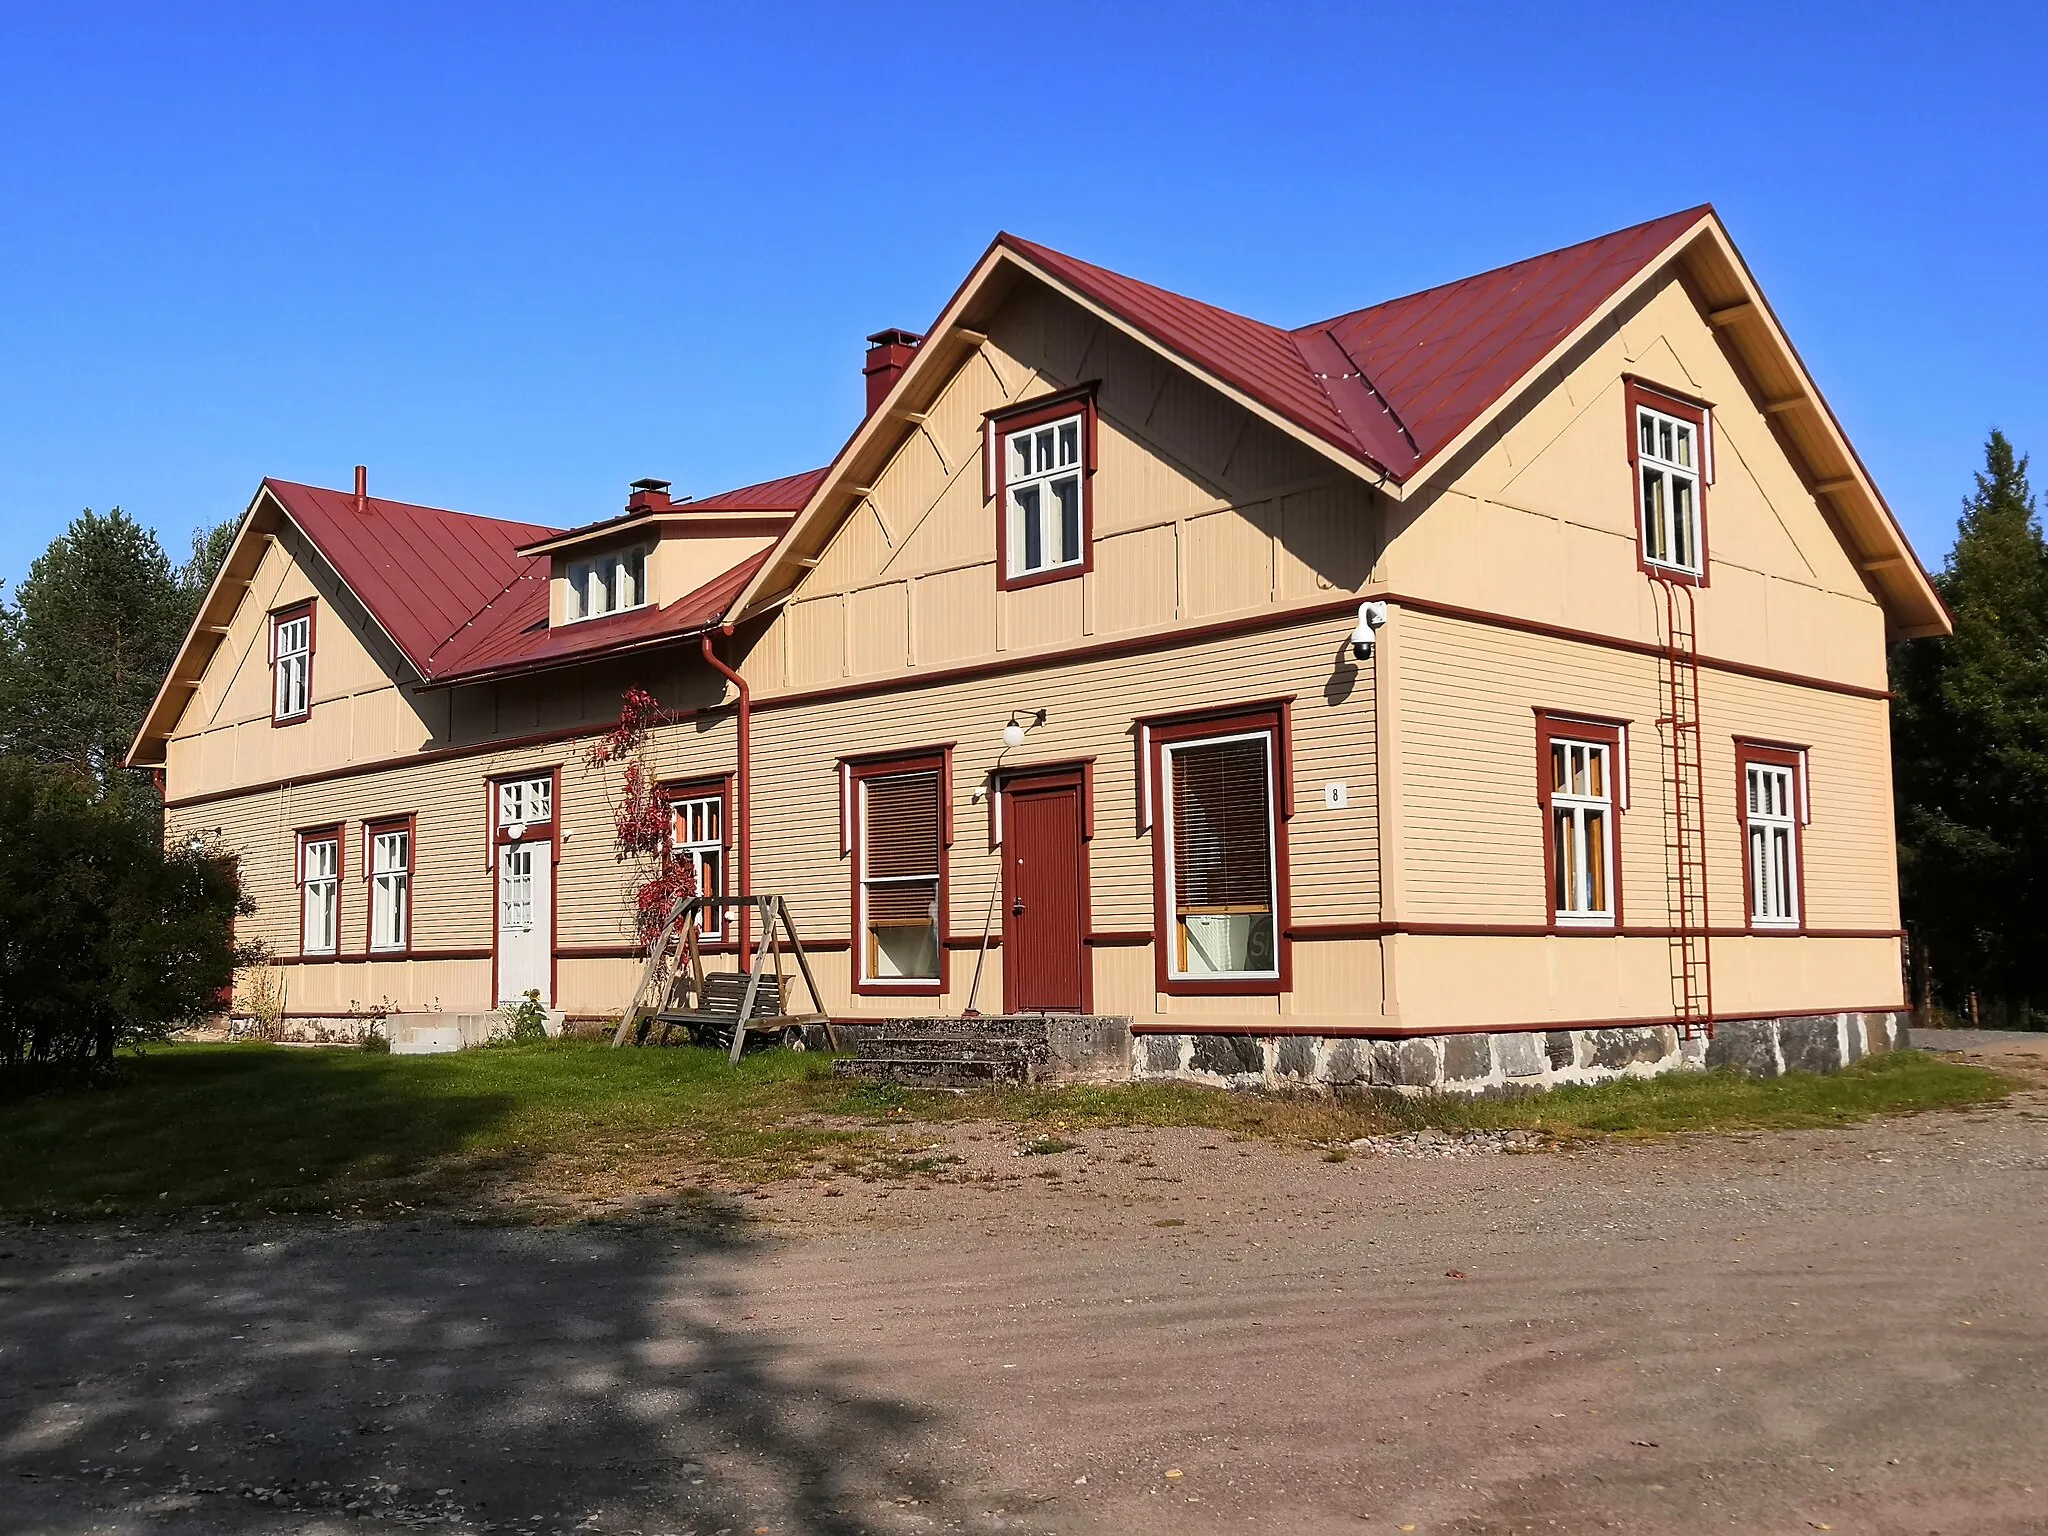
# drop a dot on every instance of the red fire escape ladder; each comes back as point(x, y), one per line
point(1685, 816)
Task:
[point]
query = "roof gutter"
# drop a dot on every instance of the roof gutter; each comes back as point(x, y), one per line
point(743, 794)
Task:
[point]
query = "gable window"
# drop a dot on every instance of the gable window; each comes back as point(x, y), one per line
point(609, 583)
point(291, 664)
point(1042, 458)
point(1669, 449)
point(319, 891)
point(899, 866)
point(390, 868)
point(1584, 767)
point(696, 840)
point(1773, 795)
point(1220, 851)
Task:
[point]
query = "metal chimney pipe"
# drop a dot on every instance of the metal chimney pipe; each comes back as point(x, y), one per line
point(362, 491)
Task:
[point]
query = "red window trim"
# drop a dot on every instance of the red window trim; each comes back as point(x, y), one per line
point(996, 427)
point(1079, 774)
point(853, 771)
point(329, 831)
point(1159, 733)
point(304, 607)
point(1562, 725)
point(409, 822)
point(1144, 726)
point(1775, 754)
point(714, 786)
point(851, 764)
point(1637, 392)
point(495, 834)
point(1084, 766)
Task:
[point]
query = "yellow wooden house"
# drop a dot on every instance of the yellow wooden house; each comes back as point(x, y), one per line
point(1483, 687)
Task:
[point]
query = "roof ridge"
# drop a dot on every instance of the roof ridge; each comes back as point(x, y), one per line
point(1687, 214)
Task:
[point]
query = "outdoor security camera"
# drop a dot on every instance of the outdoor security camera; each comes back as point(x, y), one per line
point(1372, 617)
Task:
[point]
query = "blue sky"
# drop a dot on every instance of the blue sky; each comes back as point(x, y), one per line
point(513, 257)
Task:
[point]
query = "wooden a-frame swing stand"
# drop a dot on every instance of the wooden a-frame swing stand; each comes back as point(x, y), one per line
point(675, 992)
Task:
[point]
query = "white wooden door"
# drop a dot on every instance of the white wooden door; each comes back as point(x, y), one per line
point(525, 921)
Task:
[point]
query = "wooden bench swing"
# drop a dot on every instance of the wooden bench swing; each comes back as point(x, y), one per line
point(724, 1007)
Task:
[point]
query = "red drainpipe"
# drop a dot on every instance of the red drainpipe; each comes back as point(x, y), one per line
point(745, 794)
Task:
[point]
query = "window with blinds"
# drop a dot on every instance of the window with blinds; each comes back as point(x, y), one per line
point(1771, 813)
point(902, 844)
point(1221, 870)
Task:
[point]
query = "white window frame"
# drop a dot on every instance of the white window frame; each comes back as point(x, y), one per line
point(599, 586)
point(1168, 822)
point(526, 802)
point(320, 894)
point(291, 665)
point(936, 879)
point(515, 902)
point(389, 862)
point(1774, 894)
point(1029, 496)
point(1578, 810)
point(1667, 472)
point(694, 837)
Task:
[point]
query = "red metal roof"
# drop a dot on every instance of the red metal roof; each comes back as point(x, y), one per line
point(1395, 383)
point(789, 494)
point(1442, 356)
point(505, 644)
point(460, 600)
point(421, 571)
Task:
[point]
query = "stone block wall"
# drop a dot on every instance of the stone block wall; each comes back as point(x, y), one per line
point(1518, 1061)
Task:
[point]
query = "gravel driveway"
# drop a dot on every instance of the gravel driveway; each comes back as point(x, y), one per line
point(1152, 1332)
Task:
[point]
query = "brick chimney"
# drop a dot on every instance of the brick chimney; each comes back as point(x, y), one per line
point(649, 496)
point(889, 353)
point(362, 491)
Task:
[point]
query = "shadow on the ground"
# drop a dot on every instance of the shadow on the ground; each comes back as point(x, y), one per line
point(297, 1377)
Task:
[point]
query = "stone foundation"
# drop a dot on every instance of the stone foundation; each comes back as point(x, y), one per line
point(1518, 1061)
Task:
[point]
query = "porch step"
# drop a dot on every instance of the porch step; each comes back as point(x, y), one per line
point(936, 1071)
point(952, 1053)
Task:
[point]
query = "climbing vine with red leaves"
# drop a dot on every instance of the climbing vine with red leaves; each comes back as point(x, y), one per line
point(640, 815)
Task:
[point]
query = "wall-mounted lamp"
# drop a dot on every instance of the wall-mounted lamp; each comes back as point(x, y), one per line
point(1013, 733)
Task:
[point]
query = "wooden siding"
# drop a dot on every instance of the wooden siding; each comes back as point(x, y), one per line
point(1200, 511)
point(1538, 521)
point(454, 887)
point(1092, 707)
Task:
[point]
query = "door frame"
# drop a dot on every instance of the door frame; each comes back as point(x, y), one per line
point(497, 840)
point(1078, 776)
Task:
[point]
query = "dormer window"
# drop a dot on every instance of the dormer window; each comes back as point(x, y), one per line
point(609, 583)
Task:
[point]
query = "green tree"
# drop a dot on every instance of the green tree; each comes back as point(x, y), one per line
point(1970, 749)
point(108, 940)
point(86, 642)
point(210, 548)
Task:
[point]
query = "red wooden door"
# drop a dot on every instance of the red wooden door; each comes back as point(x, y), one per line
point(1045, 882)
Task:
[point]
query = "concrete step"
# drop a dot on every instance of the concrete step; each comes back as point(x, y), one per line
point(938, 1072)
point(1006, 1028)
point(893, 1049)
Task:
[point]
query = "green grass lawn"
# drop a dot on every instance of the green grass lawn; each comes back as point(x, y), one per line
point(252, 1128)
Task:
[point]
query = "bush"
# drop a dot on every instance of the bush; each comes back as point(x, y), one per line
point(108, 940)
point(526, 1021)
